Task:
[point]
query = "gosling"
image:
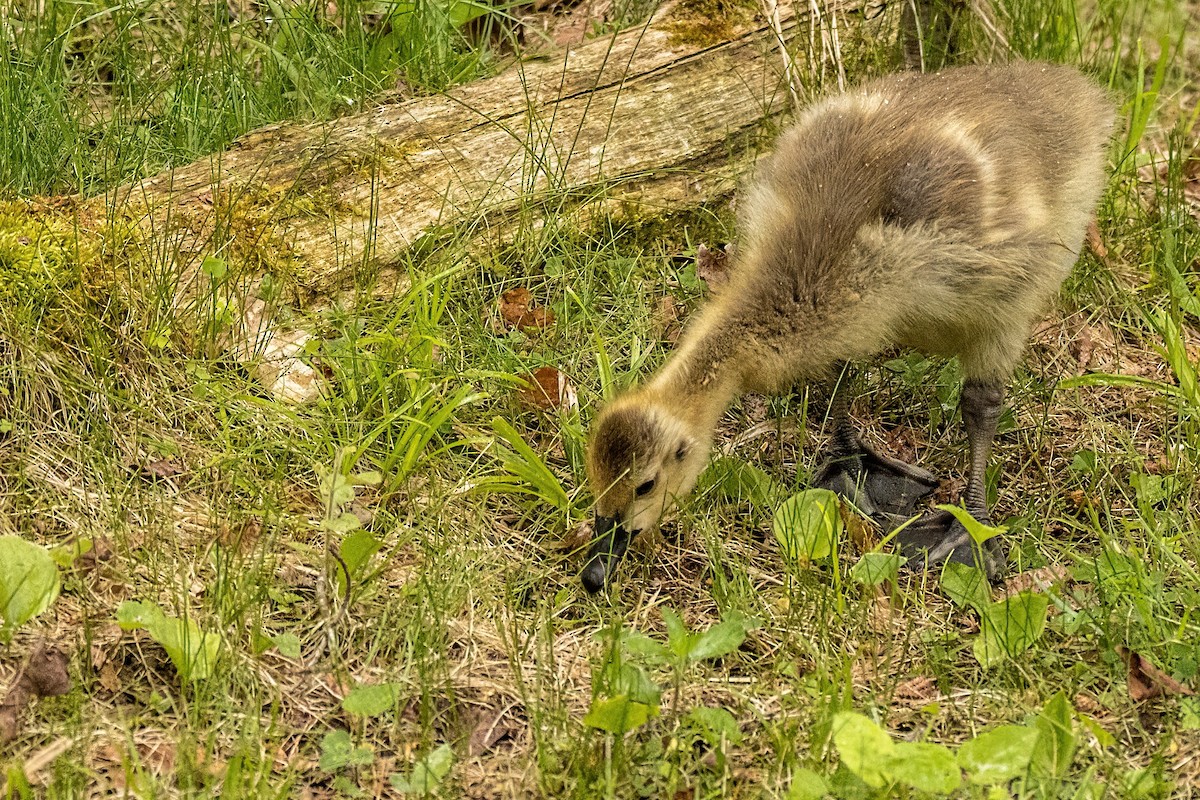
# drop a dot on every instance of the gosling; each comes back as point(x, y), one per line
point(939, 212)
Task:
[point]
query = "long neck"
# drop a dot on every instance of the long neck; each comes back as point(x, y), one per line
point(701, 379)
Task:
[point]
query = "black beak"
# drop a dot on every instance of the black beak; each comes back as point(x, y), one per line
point(610, 540)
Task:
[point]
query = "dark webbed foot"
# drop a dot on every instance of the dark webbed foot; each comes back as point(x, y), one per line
point(937, 537)
point(885, 489)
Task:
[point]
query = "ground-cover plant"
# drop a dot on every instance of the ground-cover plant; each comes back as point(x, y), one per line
point(467, 661)
point(29, 583)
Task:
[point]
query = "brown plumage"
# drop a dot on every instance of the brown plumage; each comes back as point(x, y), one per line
point(939, 212)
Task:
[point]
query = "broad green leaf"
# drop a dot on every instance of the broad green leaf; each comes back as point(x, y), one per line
point(1189, 713)
point(339, 752)
point(639, 644)
point(967, 587)
point(1102, 736)
point(67, 554)
point(678, 637)
point(714, 725)
point(619, 715)
point(370, 477)
point(807, 785)
point(1146, 783)
point(926, 767)
point(1010, 627)
point(428, 773)
point(1084, 461)
point(288, 644)
point(357, 549)
point(371, 700)
point(866, 749)
point(193, 652)
point(341, 523)
point(998, 755)
point(876, 568)
point(633, 682)
point(28, 580)
point(1056, 738)
point(214, 267)
point(724, 637)
point(739, 481)
point(979, 532)
point(807, 525)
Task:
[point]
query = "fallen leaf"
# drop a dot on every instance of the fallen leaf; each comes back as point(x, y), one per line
point(547, 389)
point(579, 537)
point(1146, 680)
point(43, 675)
point(665, 319)
point(161, 468)
point(863, 534)
point(1083, 348)
point(1039, 580)
point(493, 727)
point(109, 678)
point(518, 311)
point(902, 442)
point(712, 266)
point(921, 689)
point(1095, 242)
point(159, 754)
point(1079, 500)
point(100, 552)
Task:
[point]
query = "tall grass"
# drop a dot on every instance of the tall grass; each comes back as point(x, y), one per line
point(97, 93)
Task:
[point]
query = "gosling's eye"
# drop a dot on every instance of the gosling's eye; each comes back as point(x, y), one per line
point(645, 488)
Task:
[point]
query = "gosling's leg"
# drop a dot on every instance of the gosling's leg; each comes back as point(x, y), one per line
point(939, 537)
point(883, 488)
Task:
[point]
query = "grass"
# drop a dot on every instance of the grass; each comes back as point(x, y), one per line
point(453, 613)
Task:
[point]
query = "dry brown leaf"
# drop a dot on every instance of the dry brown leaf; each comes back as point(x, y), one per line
point(1095, 242)
point(517, 310)
point(919, 689)
point(160, 468)
point(712, 266)
point(580, 536)
point(1083, 347)
point(548, 389)
point(1040, 579)
point(1079, 500)
point(43, 675)
point(665, 319)
point(158, 754)
point(864, 535)
point(109, 678)
point(1146, 680)
point(493, 727)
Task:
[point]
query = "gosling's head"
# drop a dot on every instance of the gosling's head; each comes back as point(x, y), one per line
point(641, 458)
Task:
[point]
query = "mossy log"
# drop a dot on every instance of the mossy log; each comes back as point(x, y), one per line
point(663, 115)
point(660, 113)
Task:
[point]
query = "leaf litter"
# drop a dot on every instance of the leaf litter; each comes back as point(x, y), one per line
point(44, 674)
point(1146, 681)
point(518, 311)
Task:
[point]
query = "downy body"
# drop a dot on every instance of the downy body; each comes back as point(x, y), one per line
point(939, 212)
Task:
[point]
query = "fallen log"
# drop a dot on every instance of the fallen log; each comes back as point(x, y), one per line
point(665, 115)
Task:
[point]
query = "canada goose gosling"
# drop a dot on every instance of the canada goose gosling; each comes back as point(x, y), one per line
point(939, 212)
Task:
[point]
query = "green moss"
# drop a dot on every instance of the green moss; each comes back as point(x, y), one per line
point(707, 22)
point(41, 254)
